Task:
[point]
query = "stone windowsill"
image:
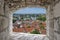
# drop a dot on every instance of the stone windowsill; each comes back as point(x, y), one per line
point(26, 36)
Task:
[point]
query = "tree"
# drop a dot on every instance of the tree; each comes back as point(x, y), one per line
point(42, 27)
point(35, 31)
point(41, 18)
point(28, 26)
point(23, 24)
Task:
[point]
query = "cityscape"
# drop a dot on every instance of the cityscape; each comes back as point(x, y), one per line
point(29, 23)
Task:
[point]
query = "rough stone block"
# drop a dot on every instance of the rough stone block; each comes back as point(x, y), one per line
point(3, 23)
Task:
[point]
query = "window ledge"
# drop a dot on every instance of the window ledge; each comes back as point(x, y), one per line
point(26, 36)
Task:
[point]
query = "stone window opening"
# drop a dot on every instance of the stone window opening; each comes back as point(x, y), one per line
point(20, 26)
point(23, 34)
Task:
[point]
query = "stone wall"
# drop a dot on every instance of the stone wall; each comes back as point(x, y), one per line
point(4, 21)
point(50, 23)
point(57, 22)
point(53, 22)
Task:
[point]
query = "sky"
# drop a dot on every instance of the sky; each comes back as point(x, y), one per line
point(33, 10)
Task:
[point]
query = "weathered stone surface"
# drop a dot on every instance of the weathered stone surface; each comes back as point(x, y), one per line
point(3, 22)
point(25, 36)
point(52, 27)
point(1, 7)
point(57, 22)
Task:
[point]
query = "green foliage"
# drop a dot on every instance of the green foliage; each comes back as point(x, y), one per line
point(28, 26)
point(42, 27)
point(33, 15)
point(21, 18)
point(42, 18)
point(14, 21)
point(40, 23)
point(35, 31)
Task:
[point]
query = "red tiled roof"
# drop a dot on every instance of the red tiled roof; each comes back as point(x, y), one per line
point(29, 29)
point(44, 24)
point(33, 26)
point(18, 29)
point(43, 31)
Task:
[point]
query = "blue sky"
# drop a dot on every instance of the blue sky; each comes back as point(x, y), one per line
point(33, 10)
